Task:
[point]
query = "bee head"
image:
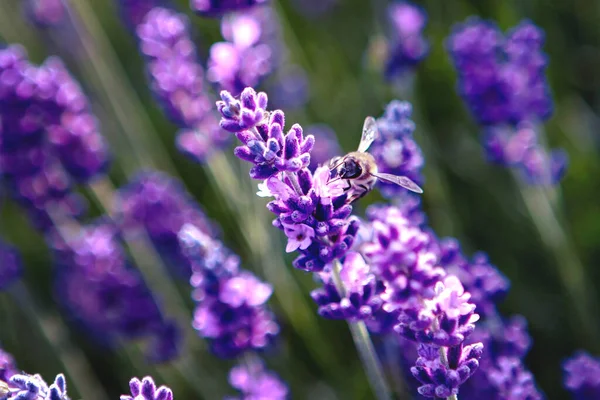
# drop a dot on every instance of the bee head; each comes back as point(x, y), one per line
point(350, 169)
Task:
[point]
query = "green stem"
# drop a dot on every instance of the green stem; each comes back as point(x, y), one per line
point(444, 360)
point(569, 267)
point(56, 333)
point(364, 345)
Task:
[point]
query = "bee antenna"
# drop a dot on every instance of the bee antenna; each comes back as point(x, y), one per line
point(336, 166)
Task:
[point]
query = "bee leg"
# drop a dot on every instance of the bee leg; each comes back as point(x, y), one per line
point(357, 196)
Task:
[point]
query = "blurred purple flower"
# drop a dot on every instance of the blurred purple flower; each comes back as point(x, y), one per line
point(256, 383)
point(230, 303)
point(160, 205)
point(582, 376)
point(49, 139)
point(10, 267)
point(362, 299)
point(326, 145)
point(520, 148)
point(134, 11)
point(146, 390)
point(502, 79)
point(215, 8)
point(46, 13)
point(406, 45)
point(290, 87)
point(177, 80)
point(104, 295)
point(247, 56)
point(33, 387)
point(396, 150)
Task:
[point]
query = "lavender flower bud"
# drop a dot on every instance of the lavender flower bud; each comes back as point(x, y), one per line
point(214, 8)
point(255, 382)
point(396, 151)
point(134, 11)
point(362, 298)
point(440, 380)
point(407, 47)
point(10, 269)
point(33, 387)
point(231, 310)
point(146, 390)
point(582, 376)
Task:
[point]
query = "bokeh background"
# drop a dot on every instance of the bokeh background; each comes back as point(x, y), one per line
point(465, 196)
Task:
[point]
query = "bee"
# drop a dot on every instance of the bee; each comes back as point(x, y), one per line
point(359, 168)
point(4, 389)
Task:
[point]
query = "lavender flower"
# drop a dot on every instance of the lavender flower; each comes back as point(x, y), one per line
point(10, 267)
point(256, 383)
point(362, 299)
point(177, 80)
point(161, 206)
point(214, 8)
point(146, 390)
point(105, 296)
point(230, 309)
point(46, 13)
point(407, 47)
point(396, 151)
point(134, 11)
point(582, 376)
point(311, 210)
point(33, 387)
point(501, 79)
point(247, 56)
point(440, 380)
point(49, 139)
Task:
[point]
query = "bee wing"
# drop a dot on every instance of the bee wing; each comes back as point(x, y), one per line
point(403, 181)
point(369, 134)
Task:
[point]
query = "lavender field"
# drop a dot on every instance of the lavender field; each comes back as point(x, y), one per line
point(299, 199)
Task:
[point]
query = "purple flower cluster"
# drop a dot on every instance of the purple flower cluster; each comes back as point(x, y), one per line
point(362, 298)
point(146, 390)
point(105, 296)
point(10, 266)
point(256, 383)
point(520, 148)
point(502, 80)
point(407, 47)
point(133, 12)
point(230, 303)
point(215, 8)
point(312, 211)
point(46, 13)
point(582, 376)
point(49, 139)
point(420, 300)
point(502, 373)
point(177, 80)
point(247, 55)
point(396, 150)
point(33, 387)
point(160, 205)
